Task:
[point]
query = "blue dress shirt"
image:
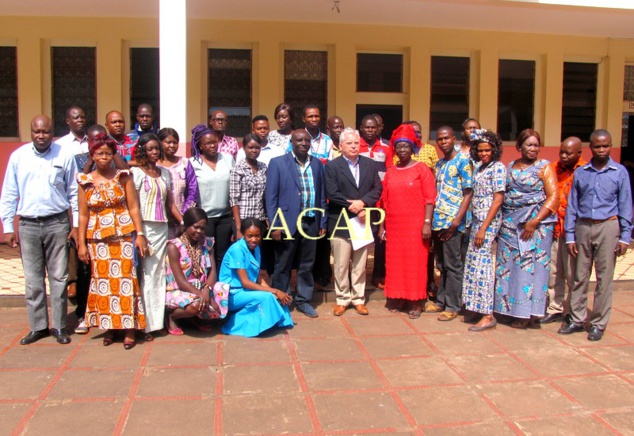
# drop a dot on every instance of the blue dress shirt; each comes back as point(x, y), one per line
point(38, 184)
point(599, 195)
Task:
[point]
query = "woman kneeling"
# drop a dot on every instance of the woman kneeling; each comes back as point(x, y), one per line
point(254, 306)
point(192, 290)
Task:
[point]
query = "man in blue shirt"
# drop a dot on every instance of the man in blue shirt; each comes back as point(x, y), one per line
point(39, 186)
point(296, 209)
point(598, 227)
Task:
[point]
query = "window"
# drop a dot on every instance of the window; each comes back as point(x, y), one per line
point(8, 92)
point(230, 87)
point(449, 92)
point(144, 82)
point(74, 84)
point(516, 94)
point(306, 82)
point(379, 72)
point(628, 88)
point(579, 100)
point(392, 116)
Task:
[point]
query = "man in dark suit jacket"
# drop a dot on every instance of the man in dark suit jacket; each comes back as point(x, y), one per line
point(294, 186)
point(352, 184)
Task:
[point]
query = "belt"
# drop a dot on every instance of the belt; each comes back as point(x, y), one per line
point(589, 221)
point(41, 219)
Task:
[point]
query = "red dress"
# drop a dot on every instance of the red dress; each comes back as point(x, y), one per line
point(406, 191)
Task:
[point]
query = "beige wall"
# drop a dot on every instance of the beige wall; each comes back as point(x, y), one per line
point(113, 37)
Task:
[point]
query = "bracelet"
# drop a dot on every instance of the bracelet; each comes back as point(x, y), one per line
point(140, 234)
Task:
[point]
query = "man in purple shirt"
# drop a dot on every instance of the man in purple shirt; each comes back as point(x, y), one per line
point(598, 227)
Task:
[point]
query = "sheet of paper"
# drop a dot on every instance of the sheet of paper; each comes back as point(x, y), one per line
point(360, 234)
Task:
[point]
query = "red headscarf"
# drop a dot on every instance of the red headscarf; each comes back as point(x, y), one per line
point(406, 133)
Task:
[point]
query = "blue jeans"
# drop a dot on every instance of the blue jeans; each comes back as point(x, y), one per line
point(44, 250)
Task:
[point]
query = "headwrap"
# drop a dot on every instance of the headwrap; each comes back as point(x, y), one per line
point(406, 133)
point(198, 131)
point(481, 135)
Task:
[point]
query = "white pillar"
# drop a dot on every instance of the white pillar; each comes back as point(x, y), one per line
point(173, 67)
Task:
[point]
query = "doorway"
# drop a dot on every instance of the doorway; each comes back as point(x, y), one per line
point(392, 116)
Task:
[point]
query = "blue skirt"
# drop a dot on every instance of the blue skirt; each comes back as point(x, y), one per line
point(253, 312)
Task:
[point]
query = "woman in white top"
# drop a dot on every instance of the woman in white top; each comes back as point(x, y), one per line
point(213, 173)
point(284, 119)
point(155, 198)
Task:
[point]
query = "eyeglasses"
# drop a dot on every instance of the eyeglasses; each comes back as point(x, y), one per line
point(219, 120)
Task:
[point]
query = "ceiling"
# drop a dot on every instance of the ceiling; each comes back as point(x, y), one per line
point(503, 15)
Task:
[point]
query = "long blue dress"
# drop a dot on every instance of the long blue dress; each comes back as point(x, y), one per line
point(523, 267)
point(250, 312)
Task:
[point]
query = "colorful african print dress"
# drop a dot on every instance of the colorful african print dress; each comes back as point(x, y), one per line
point(523, 267)
point(479, 276)
point(114, 298)
point(178, 299)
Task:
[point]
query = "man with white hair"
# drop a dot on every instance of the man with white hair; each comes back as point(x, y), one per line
point(352, 184)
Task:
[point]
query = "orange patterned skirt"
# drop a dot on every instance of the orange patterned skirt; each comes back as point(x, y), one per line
point(114, 297)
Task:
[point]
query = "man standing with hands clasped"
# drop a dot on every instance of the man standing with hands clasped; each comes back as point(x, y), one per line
point(40, 187)
point(352, 184)
point(598, 228)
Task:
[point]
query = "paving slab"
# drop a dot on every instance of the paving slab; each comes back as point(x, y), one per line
point(170, 417)
point(572, 425)
point(71, 418)
point(265, 414)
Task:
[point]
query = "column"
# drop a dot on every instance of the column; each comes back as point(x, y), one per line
point(173, 66)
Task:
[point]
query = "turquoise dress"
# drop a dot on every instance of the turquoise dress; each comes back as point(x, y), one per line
point(250, 312)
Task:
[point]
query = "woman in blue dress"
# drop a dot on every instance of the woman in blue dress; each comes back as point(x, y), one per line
point(529, 212)
point(254, 306)
point(489, 184)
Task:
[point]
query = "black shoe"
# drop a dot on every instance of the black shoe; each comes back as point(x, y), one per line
point(551, 317)
point(595, 333)
point(61, 335)
point(567, 329)
point(34, 337)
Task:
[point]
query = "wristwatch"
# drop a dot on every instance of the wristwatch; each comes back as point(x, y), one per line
point(427, 221)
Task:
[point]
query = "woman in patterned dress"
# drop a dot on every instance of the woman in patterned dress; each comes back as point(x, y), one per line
point(529, 212)
point(489, 184)
point(109, 216)
point(153, 185)
point(184, 184)
point(192, 289)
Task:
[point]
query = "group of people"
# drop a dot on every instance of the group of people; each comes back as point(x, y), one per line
point(217, 235)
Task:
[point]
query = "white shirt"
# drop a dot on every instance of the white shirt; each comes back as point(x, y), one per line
point(73, 144)
point(267, 153)
point(38, 184)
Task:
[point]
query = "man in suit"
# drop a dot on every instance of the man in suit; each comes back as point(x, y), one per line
point(352, 184)
point(296, 206)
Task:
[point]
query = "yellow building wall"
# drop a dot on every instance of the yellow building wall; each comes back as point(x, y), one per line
point(113, 36)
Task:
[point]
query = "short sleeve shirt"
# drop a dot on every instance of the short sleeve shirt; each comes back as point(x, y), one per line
point(452, 178)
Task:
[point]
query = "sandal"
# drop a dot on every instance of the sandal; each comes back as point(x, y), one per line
point(415, 313)
point(148, 337)
point(524, 324)
point(430, 306)
point(447, 315)
point(394, 305)
point(108, 338)
point(129, 343)
point(176, 331)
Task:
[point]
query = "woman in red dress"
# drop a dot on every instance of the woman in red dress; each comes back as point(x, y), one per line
point(409, 192)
